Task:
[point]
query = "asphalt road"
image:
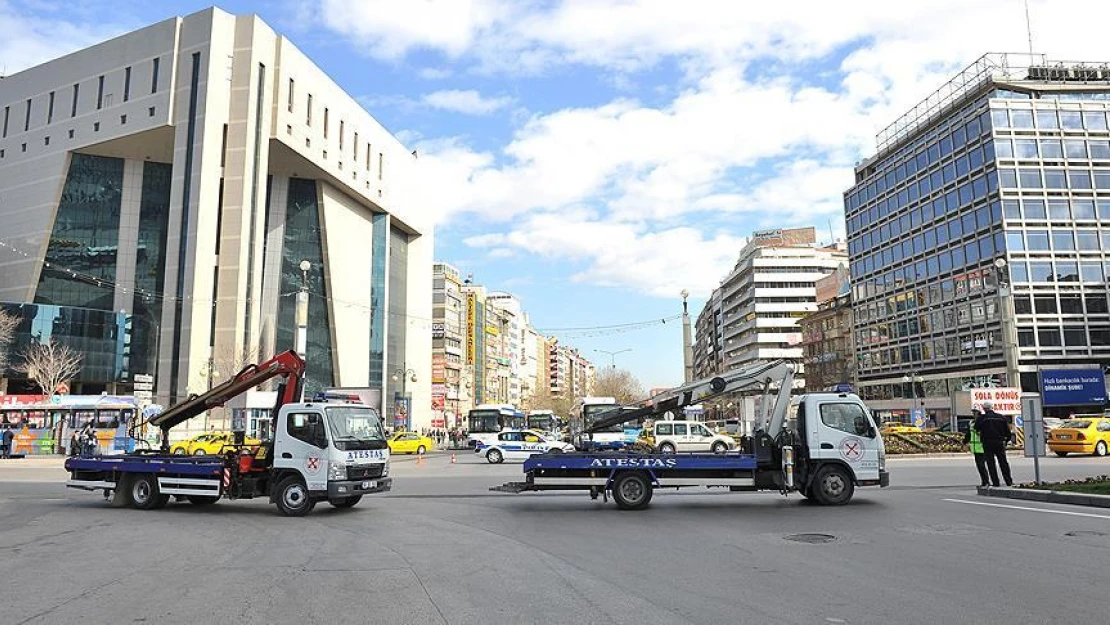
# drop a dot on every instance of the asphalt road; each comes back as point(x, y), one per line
point(441, 548)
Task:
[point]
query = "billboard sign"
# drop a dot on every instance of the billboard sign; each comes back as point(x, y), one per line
point(1073, 387)
point(471, 321)
point(1005, 400)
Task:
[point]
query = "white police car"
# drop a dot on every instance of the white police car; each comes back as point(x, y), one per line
point(519, 444)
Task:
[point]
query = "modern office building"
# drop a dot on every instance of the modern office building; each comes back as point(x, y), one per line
point(160, 191)
point(1000, 177)
point(753, 315)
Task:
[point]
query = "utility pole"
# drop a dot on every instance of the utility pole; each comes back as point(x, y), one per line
point(1009, 328)
point(687, 342)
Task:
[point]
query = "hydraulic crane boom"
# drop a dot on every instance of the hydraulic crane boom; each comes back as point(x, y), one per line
point(287, 364)
point(761, 377)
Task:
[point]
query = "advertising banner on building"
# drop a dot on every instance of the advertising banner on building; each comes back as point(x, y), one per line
point(437, 330)
point(471, 321)
point(439, 368)
point(1073, 387)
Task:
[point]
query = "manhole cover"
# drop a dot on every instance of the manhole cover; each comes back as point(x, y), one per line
point(810, 538)
point(1084, 533)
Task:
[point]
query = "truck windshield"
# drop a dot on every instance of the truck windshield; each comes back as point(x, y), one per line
point(355, 428)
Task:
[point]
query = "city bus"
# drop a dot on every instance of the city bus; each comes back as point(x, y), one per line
point(613, 437)
point(486, 420)
point(544, 421)
point(38, 421)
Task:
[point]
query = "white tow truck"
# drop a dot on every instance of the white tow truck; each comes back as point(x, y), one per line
point(823, 447)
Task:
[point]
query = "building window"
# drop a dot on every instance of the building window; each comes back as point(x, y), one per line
point(96, 126)
point(354, 146)
point(27, 118)
point(100, 93)
point(126, 84)
point(70, 133)
point(325, 122)
point(154, 76)
point(76, 90)
point(308, 112)
point(381, 165)
point(342, 125)
point(7, 114)
point(50, 108)
point(150, 112)
point(1075, 337)
point(1049, 338)
point(46, 140)
point(122, 120)
point(290, 104)
point(369, 156)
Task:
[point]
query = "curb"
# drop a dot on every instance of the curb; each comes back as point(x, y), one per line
point(1047, 496)
point(947, 454)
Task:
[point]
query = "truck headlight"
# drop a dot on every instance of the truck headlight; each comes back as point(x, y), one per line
point(337, 471)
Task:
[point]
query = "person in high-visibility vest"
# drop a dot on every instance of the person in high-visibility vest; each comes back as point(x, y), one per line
point(972, 440)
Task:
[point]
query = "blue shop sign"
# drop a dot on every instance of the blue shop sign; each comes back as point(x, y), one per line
point(1073, 387)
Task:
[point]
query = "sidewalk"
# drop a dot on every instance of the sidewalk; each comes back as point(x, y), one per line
point(33, 462)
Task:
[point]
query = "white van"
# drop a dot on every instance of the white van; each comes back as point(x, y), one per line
point(689, 436)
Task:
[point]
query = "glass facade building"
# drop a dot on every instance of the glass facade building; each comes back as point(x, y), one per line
point(1011, 168)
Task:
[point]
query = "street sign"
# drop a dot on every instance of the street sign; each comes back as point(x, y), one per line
point(1072, 387)
point(143, 378)
point(143, 395)
point(1031, 418)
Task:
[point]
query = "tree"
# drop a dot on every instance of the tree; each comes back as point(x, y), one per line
point(619, 384)
point(561, 403)
point(8, 324)
point(49, 365)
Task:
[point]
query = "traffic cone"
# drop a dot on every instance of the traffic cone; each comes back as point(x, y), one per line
point(452, 458)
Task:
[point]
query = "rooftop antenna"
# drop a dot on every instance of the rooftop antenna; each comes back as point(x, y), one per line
point(1029, 30)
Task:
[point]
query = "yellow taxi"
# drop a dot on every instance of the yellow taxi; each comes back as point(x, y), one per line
point(409, 443)
point(209, 443)
point(1081, 435)
point(893, 427)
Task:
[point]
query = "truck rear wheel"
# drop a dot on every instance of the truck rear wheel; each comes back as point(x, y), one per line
point(144, 493)
point(632, 491)
point(348, 502)
point(292, 497)
point(833, 486)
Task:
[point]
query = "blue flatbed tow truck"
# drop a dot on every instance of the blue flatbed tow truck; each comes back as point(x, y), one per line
point(824, 450)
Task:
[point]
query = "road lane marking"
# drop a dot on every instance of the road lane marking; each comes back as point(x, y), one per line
point(1002, 505)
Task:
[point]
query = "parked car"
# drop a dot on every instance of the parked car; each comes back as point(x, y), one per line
point(1081, 435)
point(669, 437)
point(209, 443)
point(409, 443)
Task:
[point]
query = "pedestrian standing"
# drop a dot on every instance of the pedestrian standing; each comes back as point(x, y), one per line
point(972, 440)
point(994, 432)
point(6, 437)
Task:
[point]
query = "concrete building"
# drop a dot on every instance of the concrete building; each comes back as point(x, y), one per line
point(160, 190)
point(995, 185)
point(753, 316)
point(448, 344)
point(827, 339)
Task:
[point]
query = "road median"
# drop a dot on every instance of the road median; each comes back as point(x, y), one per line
point(1047, 495)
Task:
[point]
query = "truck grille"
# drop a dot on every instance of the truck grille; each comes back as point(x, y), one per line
point(364, 472)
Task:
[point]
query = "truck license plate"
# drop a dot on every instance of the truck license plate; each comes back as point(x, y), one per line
point(366, 485)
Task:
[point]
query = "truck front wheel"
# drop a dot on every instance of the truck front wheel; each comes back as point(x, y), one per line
point(833, 486)
point(632, 491)
point(292, 497)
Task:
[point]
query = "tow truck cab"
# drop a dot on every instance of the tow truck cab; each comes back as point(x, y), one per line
point(835, 430)
point(338, 450)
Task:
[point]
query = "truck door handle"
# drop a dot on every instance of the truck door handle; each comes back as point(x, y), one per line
point(286, 454)
point(826, 446)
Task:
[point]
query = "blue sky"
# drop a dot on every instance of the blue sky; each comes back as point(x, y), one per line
point(596, 157)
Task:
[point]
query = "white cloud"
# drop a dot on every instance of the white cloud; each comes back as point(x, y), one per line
point(467, 101)
point(30, 40)
point(775, 107)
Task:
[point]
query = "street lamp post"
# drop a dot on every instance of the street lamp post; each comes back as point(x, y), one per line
point(402, 375)
point(612, 355)
point(913, 380)
point(687, 341)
